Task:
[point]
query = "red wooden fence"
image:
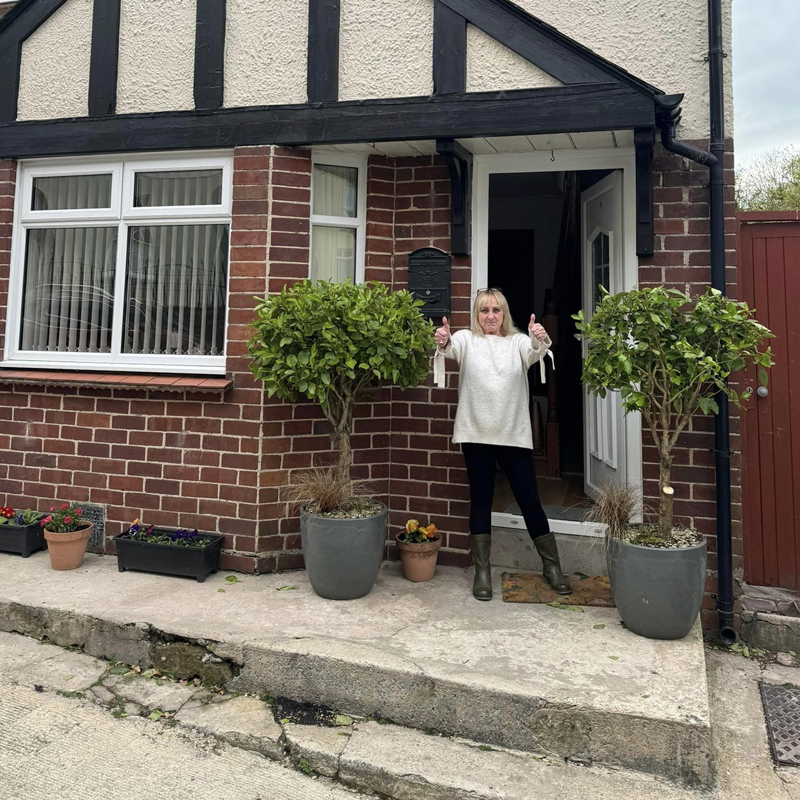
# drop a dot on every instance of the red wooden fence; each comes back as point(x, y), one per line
point(769, 281)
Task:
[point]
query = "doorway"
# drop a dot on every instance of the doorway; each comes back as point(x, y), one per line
point(547, 236)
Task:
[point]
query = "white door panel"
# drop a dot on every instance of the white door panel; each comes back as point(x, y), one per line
point(601, 221)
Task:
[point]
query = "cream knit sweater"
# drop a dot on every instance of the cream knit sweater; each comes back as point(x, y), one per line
point(493, 395)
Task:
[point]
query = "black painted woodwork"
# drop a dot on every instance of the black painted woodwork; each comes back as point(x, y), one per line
point(323, 50)
point(645, 224)
point(542, 44)
point(104, 62)
point(429, 280)
point(449, 50)
point(209, 54)
point(15, 28)
point(459, 163)
point(594, 107)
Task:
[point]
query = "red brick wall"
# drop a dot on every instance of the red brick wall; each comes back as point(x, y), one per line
point(8, 178)
point(222, 463)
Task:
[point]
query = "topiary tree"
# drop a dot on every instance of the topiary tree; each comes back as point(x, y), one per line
point(332, 342)
point(668, 354)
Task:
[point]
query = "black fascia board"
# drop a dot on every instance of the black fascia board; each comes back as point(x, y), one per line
point(590, 107)
point(543, 45)
point(209, 54)
point(323, 51)
point(15, 28)
point(104, 63)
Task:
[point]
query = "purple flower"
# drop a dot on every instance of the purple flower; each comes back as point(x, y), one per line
point(19, 520)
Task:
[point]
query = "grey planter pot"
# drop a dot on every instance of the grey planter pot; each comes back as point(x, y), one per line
point(658, 593)
point(343, 556)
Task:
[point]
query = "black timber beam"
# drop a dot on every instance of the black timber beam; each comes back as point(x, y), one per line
point(537, 43)
point(209, 54)
point(323, 51)
point(459, 163)
point(594, 107)
point(645, 223)
point(104, 64)
point(17, 26)
point(449, 50)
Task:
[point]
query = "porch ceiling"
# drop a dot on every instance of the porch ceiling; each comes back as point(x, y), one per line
point(494, 144)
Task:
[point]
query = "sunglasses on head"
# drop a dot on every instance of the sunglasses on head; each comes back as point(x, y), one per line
point(491, 290)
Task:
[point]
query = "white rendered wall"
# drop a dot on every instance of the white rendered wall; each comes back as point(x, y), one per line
point(492, 67)
point(664, 43)
point(386, 49)
point(156, 55)
point(266, 52)
point(54, 72)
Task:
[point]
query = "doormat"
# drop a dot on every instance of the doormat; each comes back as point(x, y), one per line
point(587, 590)
point(782, 712)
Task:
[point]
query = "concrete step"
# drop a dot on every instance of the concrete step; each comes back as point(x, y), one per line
point(565, 684)
point(389, 760)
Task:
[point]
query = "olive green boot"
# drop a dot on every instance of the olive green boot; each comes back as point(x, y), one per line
point(481, 550)
point(548, 550)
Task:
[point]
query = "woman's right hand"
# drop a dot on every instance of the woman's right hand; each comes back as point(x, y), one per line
point(443, 334)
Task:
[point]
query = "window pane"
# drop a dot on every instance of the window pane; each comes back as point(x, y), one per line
point(333, 254)
point(68, 294)
point(335, 191)
point(175, 289)
point(200, 187)
point(71, 191)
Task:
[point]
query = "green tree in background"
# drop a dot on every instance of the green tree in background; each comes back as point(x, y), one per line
point(770, 183)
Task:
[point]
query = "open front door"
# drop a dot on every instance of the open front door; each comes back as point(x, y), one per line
point(601, 215)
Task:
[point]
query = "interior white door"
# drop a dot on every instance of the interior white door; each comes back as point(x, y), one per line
point(604, 432)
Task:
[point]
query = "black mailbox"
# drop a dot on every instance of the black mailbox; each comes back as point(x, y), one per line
point(429, 281)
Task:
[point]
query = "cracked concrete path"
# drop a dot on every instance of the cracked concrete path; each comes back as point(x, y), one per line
point(54, 746)
point(741, 748)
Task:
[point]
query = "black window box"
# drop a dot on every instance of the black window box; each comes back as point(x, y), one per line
point(167, 559)
point(22, 539)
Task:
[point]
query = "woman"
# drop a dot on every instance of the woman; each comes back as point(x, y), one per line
point(493, 427)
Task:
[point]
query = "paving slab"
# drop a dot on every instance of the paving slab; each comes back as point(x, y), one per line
point(150, 693)
point(320, 747)
point(576, 685)
point(410, 765)
point(41, 664)
point(245, 722)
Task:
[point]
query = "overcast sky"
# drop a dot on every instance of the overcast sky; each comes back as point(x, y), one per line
point(766, 75)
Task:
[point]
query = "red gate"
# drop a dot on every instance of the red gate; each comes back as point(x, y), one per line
point(769, 281)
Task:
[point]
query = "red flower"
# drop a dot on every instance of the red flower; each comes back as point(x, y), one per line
point(7, 512)
point(68, 520)
point(79, 511)
point(65, 507)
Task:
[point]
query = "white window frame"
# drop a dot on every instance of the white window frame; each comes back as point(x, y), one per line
point(121, 215)
point(359, 221)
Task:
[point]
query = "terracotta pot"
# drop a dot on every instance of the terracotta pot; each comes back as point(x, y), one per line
point(419, 560)
point(67, 549)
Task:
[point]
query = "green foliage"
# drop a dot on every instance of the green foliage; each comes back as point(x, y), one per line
point(330, 342)
point(771, 182)
point(668, 354)
point(304, 766)
point(21, 518)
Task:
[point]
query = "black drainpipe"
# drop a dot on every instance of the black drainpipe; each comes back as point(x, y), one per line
point(666, 119)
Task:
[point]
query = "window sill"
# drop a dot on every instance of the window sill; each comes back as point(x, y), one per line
point(114, 381)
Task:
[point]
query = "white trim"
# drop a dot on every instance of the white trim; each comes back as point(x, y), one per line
point(622, 159)
point(358, 222)
point(568, 526)
point(120, 216)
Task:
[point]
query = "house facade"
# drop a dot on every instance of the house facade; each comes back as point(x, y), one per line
point(163, 163)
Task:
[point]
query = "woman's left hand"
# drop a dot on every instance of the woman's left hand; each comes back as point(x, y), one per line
point(534, 329)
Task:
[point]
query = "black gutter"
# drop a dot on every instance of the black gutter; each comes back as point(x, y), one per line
point(666, 119)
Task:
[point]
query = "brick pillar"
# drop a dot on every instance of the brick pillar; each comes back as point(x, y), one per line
point(8, 182)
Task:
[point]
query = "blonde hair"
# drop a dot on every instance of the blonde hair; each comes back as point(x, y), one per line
point(507, 328)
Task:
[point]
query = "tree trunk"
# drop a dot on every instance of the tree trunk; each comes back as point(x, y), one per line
point(666, 498)
point(345, 453)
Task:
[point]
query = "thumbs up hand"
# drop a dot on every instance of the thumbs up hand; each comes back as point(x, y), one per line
point(534, 329)
point(443, 334)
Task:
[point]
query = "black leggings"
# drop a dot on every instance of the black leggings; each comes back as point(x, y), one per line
point(517, 463)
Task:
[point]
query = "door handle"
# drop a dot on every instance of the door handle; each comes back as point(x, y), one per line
point(762, 391)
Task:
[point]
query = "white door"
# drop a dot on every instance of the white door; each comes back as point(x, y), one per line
point(601, 219)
